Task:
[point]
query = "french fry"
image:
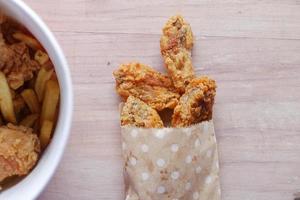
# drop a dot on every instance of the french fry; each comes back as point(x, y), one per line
point(48, 65)
point(50, 101)
point(41, 57)
point(45, 134)
point(41, 80)
point(31, 100)
point(29, 120)
point(54, 77)
point(30, 41)
point(19, 104)
point(6, 102)
point(13, 93)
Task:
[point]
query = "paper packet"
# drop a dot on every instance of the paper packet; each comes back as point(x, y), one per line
point(171, 163)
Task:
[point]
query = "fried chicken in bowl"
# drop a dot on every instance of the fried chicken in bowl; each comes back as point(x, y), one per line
point(36, 102)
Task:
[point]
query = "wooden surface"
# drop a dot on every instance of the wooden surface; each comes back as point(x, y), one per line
point(252, 49)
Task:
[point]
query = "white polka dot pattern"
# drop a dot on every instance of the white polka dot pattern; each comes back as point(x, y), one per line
point(170, 163)
point(188, 159)
point(145, 148)
point(196, 195)
point(161, 190)
point(188, 186)
point(160, 133)
point(197, 143)
point(133, 161)
point(208, 180)
point(208, 153)
point(198, 169)
point(187, 131)
point(175, 175)
point(134, 133)
point(174, 147)
point(160, 162)
point(145, 176)
point(205, 127)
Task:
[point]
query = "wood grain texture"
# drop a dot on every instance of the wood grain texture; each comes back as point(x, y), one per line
point(250, 47)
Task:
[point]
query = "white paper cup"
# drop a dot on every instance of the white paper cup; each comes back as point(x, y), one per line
point(32, 185)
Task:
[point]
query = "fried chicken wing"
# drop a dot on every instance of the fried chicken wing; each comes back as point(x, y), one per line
point(196, 104)
point(19, 151)
point(140, 73)
point(16, 64)
point(137, 113)
point(177, 33)
point(145, 83)
point(176, 44)
point(180, 69)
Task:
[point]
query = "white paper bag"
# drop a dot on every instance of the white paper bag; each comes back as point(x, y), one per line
point(171, 163)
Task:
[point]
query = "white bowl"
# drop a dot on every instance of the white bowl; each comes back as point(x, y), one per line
point(32, 185)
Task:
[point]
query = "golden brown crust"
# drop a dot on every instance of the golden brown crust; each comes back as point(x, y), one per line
point(177, 33)
point(137, 113)
point(196, 104)
point(176, 44)
point(16, 64)
point(145, 83)
point(180, 69)
point(140, 73)
point(19, 151)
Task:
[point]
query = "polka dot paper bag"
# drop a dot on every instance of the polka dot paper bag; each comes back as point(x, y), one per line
point(171, 163)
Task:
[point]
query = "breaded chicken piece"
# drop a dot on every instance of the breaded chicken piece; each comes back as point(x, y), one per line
point(140, 73)
point(180, 69)
point(196, 104)
point(16, 64)
point(137, 113)
point(176, 44)
point(177, 33)
point(145, 83)
point(157, 97)
point(19, 151)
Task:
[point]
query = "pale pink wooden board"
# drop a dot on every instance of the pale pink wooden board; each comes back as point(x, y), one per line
point(252, 49)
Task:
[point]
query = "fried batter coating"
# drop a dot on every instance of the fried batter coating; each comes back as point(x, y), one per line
point(140, 73)
point(196, 104)
point(177, 34)
point(137, 113)
point(19, 151)
point(176, 44)
point(180, 69)
point(145, 83)
point(16, 64)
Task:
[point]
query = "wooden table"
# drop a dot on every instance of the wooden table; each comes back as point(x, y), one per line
point(252, 49)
